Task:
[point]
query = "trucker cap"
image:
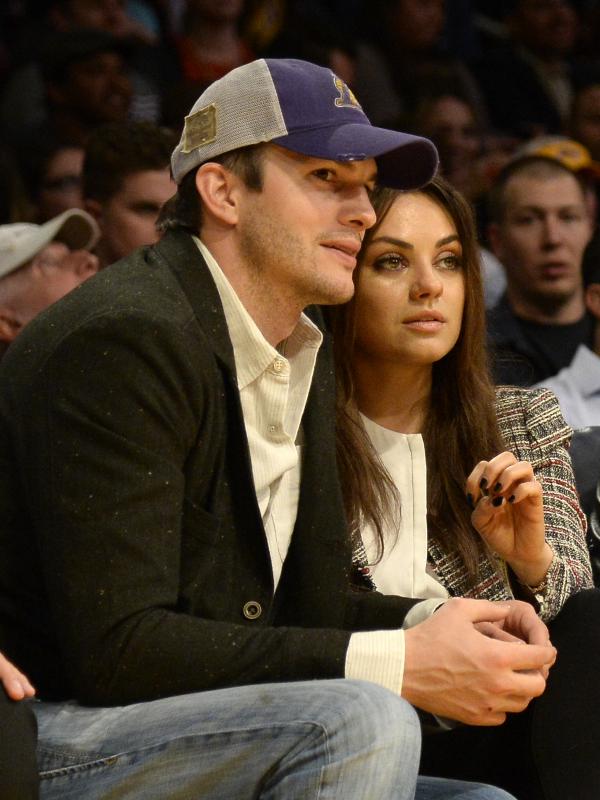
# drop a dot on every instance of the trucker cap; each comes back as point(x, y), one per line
point(21, 241)
point(304, 108)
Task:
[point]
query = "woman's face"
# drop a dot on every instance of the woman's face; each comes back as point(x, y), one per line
point(410, 293)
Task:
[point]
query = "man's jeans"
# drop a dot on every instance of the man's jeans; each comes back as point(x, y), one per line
point(331, 739)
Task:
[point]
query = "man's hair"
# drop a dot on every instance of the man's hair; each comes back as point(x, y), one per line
point(119, 149)
point(184, 209)
point(537, 167)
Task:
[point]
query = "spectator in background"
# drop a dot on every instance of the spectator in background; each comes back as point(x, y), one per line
point(541, 223)
point(24, 104)
point(407, 35)
point(212, 42)
point(577, 385)
point(52, 174)
point(126, 180)
point(470, 158)
point(86, 83)
point(39, 264)
point(527, 83)
point(584, 125)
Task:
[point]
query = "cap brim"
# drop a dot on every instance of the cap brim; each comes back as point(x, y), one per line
point(404, 161)
point(76, 228)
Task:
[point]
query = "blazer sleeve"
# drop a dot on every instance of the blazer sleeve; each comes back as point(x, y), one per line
point(119, 404)
point(534, 429)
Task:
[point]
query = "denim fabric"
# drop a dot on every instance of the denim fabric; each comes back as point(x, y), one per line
point(337, 739)
point(440, 789)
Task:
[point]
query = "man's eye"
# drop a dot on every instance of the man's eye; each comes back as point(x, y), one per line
point(324, 174)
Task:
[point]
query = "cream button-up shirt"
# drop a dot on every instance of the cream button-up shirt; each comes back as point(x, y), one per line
point(274, 384)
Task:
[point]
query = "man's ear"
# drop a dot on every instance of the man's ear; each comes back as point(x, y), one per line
point(592, 299)
point(9, 325)
point(218, 189)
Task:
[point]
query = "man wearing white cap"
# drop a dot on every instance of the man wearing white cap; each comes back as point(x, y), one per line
point(190, 627)
point(39, 264)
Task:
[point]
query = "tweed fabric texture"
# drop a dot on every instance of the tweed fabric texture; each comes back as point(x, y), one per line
point(533, 428)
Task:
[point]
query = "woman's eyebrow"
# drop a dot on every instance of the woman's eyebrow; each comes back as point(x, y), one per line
point(447, 239)
point(392, 240)
point(453, 237)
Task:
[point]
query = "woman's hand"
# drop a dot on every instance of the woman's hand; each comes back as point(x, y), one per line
point(15, 683)
point(508, 513)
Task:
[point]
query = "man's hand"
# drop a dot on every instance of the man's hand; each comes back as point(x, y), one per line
point(15, 683)
point(457, 667)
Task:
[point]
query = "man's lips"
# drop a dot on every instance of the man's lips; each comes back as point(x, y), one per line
point(555, 269)
point(347, 247)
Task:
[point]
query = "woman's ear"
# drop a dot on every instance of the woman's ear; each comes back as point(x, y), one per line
point(217, 188)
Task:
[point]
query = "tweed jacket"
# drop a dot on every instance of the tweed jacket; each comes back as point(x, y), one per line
point(534, 430)
point(133, 559)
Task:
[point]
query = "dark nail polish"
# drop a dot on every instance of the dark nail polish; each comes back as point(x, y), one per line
point(511, 499)
point(497, 501)
point(470, 500)
point(497, 487)
point(483, 483)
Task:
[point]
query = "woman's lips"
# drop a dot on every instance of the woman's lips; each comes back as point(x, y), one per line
point(429, 322)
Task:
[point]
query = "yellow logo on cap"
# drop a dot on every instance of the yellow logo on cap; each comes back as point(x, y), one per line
point(200, 128)
point(346, 97)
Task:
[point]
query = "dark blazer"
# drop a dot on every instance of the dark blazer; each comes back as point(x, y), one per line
point(133, 561)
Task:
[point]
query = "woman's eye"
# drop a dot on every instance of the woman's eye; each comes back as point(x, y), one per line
point(390, 261)
point(450, 262)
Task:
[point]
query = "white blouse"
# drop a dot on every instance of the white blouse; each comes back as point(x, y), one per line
point(403, 569)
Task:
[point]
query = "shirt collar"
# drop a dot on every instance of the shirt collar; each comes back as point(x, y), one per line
point(252, 352)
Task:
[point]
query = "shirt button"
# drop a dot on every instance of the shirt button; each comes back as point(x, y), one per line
point(252, 609)
point(278, 365)
point(272, 429)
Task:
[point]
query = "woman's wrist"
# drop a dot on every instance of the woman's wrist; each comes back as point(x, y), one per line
point(532, 573)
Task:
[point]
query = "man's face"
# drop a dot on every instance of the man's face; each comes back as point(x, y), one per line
point(547, 27)
point(50, 275)
point(97, 88)
point(127, 220)
point(301, 233)
point(60, 187)
point(541, 240)
point(104, 15)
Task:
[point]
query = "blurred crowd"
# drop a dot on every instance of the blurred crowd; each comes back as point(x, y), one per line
point(478, 77)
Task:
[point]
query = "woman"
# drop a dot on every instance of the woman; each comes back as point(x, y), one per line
point(414, 386)
point(494, 514)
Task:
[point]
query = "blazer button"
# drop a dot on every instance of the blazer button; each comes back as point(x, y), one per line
point(252, 609)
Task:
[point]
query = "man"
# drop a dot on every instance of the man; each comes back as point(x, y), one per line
point(39, 264)
point(541, 225)
point(187, 549)
point(527, 82)
point(126, 180)
point(577, 385)
point(584, 124)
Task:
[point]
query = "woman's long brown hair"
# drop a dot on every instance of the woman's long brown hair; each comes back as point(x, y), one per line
point(461, 411)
